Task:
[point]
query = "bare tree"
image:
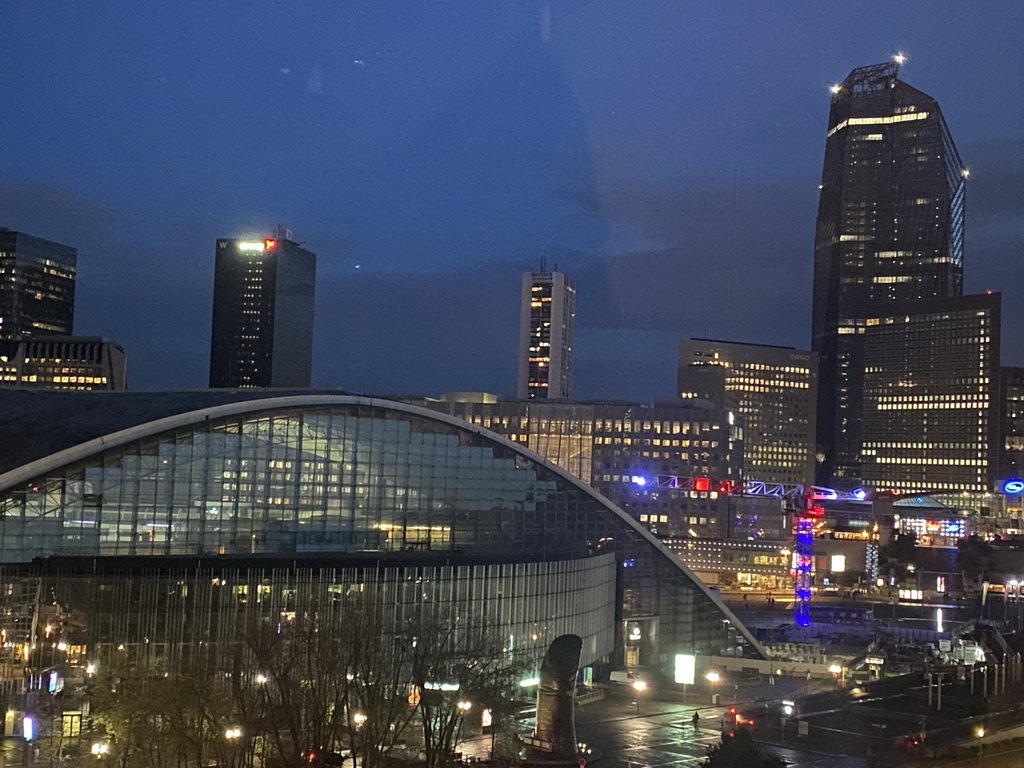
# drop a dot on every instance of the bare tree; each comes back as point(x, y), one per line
point(349, 672)
point(153, 720)
point(459, 666)
point(380, 651)
point(290, 685)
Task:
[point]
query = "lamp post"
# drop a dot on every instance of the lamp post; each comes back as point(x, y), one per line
point(463, 708)
point(233, 737)
point(980, 733)
point(639, 686)
point(712, 677)
point(836, 671)
point(28, 730)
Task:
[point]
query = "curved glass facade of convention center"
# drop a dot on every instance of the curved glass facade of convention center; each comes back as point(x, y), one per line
point(345, 475)
point(125, 607)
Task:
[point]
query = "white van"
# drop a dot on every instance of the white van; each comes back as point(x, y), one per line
point(623, 677)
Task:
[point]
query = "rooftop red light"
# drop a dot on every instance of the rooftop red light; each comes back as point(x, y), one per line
point(270, 244)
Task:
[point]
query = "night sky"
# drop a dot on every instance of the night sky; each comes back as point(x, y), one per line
point(666, 154)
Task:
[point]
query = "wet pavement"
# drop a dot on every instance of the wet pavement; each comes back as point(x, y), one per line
point(662, 734)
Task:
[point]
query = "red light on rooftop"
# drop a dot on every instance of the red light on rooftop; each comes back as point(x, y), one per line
point(701, 484)
point(725, 486)
point(270, 244)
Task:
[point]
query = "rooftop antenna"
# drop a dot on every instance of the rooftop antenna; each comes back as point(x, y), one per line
point(543, 263)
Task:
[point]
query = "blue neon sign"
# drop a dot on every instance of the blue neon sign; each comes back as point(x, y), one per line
point(1014, 486)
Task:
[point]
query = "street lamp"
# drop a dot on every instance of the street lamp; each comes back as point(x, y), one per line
point(100, 748)
point(233, 733)
point(836, 671)
point(463, 707)
point(980, 733)
point(713, 677)
point(358, 718)
point(639, 686)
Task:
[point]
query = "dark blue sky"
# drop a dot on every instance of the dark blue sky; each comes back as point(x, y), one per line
point(665, 153)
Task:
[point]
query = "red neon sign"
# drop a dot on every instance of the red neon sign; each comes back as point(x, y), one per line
point(270, 244)
point(701, 484)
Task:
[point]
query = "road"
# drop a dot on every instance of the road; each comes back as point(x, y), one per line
point(661, 736)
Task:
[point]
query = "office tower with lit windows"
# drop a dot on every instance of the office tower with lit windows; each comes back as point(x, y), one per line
point(665, 464)
point(262, 313)
point(889, 229)
point(1011, 439)
point(37, 286)
point(546, 324)
point(931, 408)
point(774, 389)
point(62, 362)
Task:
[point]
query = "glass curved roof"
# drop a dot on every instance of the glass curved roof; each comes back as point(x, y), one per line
point(315, 473)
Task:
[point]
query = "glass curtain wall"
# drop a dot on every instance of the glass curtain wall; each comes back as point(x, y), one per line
point(352, 478)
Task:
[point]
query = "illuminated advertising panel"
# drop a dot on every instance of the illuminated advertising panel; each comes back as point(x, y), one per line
point(686, 667)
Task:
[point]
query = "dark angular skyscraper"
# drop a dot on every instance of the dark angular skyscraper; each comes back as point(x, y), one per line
point(889, 229)
point(37, 286)
point(262, 313)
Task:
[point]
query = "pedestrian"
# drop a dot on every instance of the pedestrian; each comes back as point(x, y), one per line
point(696, 720)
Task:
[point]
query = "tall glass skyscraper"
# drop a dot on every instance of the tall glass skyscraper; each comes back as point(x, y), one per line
point(262, 313)
point(37, 286)
point(889, 229)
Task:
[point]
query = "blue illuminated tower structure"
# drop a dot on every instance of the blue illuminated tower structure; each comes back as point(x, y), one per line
point(805, 520)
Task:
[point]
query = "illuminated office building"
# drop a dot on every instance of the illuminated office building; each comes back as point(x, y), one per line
point(62, 362)
point(774, 389)
point(1011, 438)
point(889, 229)
point(931, 395)
point(546, 325)
point(262, 313)
point(37, 286)
point(631, 453)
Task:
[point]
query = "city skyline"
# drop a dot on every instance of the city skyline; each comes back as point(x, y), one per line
point(637, 205)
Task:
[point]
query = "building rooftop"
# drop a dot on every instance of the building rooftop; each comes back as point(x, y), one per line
point(871, 77)
point(37, 423)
